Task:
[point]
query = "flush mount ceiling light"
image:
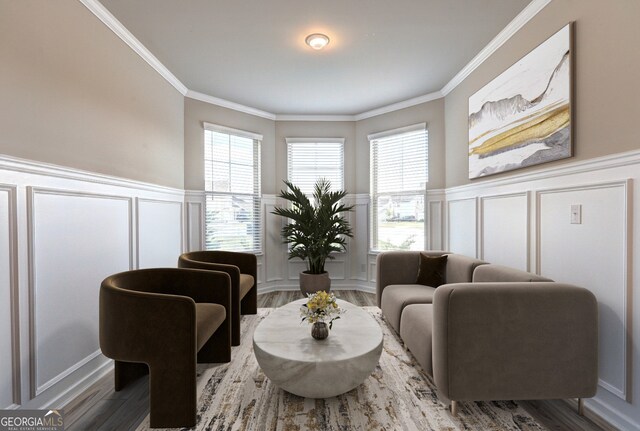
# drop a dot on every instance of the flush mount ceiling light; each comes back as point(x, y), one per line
point(317, 40)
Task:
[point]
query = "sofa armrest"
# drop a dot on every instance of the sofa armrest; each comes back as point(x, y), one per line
point(515, 340)
point(398, 267)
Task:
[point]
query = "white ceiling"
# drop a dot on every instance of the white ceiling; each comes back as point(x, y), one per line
point(252, 52)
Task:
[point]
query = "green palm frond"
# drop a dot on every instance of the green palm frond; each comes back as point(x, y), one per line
point(316, 226)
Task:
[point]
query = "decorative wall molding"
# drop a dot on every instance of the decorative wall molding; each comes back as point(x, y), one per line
point(608, 417)
point(612, 175)
point(32, 192)
point(400, 105)
point(292, 117)
point(14, 315)
point(29, 178)
point(15, 164)
point(483, 200)
point(468, 235)
point(293, 286)
point(79, 387)
point(121, 31)
point(597, 164)
point(230, 105)
point(627, 284)
point(516, 24)
point(195, 226)
point(138, 223)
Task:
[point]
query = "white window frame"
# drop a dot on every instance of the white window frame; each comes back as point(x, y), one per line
point(318, 141)
point(257, 238)
point(374, 194)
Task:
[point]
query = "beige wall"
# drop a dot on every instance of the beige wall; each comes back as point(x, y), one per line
point(607, 67)
point(73, 94)
point(197, 112)
point(316, 129)
point(430, 112)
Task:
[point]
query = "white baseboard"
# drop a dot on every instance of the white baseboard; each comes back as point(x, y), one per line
point(350, 285)
point(605, 416)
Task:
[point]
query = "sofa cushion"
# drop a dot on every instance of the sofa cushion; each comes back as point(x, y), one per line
point(432, 270)
point(499, 273)
point(246, 283)
point(209, 317)
point(460, 268)
point(416, 329)
point(397, 296)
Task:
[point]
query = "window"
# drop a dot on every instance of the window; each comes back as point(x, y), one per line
point(311, 159)
point(399, 176)
point(232, 189)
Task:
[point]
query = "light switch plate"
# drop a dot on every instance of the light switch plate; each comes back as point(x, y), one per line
point(576, 214)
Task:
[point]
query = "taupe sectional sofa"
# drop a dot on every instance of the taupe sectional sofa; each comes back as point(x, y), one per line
point(492, 332)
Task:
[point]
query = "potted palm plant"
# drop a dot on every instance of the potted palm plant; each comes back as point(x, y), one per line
point(316, 229)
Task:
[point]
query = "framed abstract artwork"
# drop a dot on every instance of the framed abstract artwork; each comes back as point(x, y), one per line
point(523, 117)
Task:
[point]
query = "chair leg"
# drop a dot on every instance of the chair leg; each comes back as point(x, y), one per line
point(218, 347)
point(235, 327)
point(172, 396)
point(580, 406)
point(126, 372)
point(249, 304)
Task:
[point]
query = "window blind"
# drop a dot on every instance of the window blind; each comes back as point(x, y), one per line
point(399, 176)
point(232, 189)
point(311, 159)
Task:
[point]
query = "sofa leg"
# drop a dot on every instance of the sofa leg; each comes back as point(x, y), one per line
point(454, 408)
point(580, 406)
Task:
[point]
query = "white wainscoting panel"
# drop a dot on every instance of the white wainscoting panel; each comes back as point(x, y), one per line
point(260, 269)
point(159, 227)
point(435, 225)
point(274, 250)
point(76, 240)
point(461, 226)
point(9, 354)
point(336, 268)
point(359, 244)
point(594, 255)
point(504, 234)
point(195, 226)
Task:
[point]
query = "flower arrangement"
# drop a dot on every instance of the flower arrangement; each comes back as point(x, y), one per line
point(321, 307)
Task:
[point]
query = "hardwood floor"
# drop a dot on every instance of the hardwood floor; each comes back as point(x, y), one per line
point(100, 408)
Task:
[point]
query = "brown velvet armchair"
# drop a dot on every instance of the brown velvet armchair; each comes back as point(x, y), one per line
point(162, 321)
point(242, 268)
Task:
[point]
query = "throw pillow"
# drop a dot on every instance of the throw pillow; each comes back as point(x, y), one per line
point(433, 270)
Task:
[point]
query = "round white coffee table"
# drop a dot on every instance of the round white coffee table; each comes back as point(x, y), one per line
point(310, 368)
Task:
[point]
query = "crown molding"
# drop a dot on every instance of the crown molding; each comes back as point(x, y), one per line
point(228, 104)
point(120, 30)
point(400, 105)
point(516, 24)
point(116, 26)
point(296, 117)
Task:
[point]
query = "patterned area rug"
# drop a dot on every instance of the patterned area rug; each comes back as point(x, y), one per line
point(397, 396)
